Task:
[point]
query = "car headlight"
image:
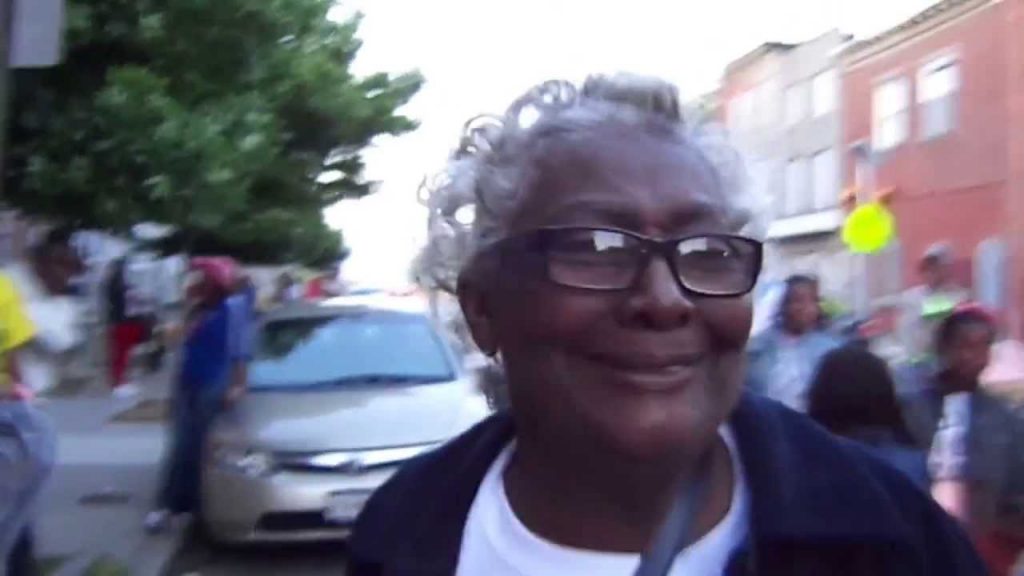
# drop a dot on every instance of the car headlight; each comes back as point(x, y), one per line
point(247, 461)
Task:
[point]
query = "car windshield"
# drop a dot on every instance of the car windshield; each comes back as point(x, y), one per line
point(368, 348)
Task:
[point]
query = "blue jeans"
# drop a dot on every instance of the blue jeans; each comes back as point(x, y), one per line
point(194, 412)
point(28, 451)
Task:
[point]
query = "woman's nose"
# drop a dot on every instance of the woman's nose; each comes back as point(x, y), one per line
point(658, 300)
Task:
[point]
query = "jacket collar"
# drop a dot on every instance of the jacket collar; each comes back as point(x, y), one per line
point(804, 484)
point(804, 488)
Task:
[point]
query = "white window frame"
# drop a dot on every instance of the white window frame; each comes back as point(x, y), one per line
point(741, 111)
point(825, 187)
point(796, 103)
point(765, 103)
point(824, 93)
point(951, 98)
point(890, 110)
point(797, 187)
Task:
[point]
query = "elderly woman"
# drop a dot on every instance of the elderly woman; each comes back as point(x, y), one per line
point(607, 268)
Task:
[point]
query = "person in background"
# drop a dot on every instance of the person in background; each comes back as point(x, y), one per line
point(203, 385)
point(853, 395)
point(325, 285)
point(44, 285)
point(975, 442)
point(127, 329)
point(242, 305)
point(609, 266)
point(27, 439)
point(22, 560)
point(286, 289)
point(782, 360)
point(924, 306)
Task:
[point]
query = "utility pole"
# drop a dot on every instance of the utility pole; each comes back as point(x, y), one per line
point(6, 29)
point(30, 37)
point(864, 180)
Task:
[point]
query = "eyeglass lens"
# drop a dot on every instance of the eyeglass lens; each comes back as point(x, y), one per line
point(611, 260)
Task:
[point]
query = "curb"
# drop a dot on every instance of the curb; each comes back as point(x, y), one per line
point(151, 558)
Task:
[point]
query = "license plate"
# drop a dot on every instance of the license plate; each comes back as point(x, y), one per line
point(344, 507)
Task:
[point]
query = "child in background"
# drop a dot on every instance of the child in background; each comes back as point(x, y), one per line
point(853, 395)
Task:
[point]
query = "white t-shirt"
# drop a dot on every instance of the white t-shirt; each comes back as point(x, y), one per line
point(496, 543)
point(56, 319)
point(947, 458)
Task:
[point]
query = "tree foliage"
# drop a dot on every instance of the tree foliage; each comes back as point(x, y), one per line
point(219, 117)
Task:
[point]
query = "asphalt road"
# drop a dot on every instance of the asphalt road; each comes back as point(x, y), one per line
point(198, 557)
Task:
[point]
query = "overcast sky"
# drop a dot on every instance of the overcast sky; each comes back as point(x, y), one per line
point(478, 55)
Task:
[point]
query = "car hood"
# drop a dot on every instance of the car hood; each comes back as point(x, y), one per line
point(353, 417)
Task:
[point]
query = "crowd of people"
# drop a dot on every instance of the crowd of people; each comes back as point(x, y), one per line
point(40, 323)
point(942, 429)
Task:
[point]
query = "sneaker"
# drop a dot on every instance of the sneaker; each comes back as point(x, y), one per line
point(126, 391)
point(157, 521)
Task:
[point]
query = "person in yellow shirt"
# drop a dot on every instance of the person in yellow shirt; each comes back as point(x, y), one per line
point(16, 330)
point(27, 439)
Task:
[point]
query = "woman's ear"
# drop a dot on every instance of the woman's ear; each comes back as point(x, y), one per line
point(474, 295)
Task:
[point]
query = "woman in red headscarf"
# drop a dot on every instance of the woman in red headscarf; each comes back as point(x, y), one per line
point(202, 386)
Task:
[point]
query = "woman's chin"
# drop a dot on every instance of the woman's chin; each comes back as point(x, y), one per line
point(654, 433)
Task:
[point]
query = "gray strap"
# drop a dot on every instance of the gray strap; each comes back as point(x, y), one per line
point(677, 531)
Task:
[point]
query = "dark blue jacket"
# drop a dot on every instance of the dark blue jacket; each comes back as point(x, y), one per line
point(820, 506)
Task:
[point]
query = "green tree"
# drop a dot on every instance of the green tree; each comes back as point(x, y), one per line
point(219, 117)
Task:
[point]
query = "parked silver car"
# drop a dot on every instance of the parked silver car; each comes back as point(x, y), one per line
point(340, 396)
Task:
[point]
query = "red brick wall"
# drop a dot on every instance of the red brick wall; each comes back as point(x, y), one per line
point(1014, 25)
point(952, 188)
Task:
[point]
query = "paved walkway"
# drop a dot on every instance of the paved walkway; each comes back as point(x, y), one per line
point(93, 507)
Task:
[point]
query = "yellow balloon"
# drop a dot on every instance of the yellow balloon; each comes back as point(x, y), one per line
point(869, 228)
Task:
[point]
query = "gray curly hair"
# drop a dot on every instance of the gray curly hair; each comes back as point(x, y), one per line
point(472, 201)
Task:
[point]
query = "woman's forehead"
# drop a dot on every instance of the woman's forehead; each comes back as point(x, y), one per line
point(626, 179)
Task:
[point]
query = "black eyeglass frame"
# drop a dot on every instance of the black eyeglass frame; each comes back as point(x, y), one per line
point(534, 242)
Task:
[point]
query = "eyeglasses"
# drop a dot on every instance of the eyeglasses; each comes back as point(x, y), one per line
point(714, 265)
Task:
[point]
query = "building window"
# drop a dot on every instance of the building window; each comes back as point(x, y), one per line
point(797, 180)
point(891, 118)
point(741, 111)
point(938, 86)
point(991, 273)
point(823, 93)
point(796, 103)
point(825, 167)
point(765, 103)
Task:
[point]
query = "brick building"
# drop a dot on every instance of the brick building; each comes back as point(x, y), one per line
point(937, 103)
point(781, 103)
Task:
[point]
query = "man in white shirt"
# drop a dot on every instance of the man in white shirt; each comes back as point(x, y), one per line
point(44, 283)
point(925, 305)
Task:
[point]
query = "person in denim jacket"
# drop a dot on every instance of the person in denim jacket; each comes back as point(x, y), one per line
point(975, 440)
point(782, 360)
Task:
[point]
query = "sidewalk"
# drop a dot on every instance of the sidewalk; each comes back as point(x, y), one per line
point(91, 512)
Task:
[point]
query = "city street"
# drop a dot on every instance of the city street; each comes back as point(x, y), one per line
point(200, 557)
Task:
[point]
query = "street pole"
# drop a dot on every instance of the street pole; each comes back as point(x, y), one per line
point(864, 180)
point(6, 28)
